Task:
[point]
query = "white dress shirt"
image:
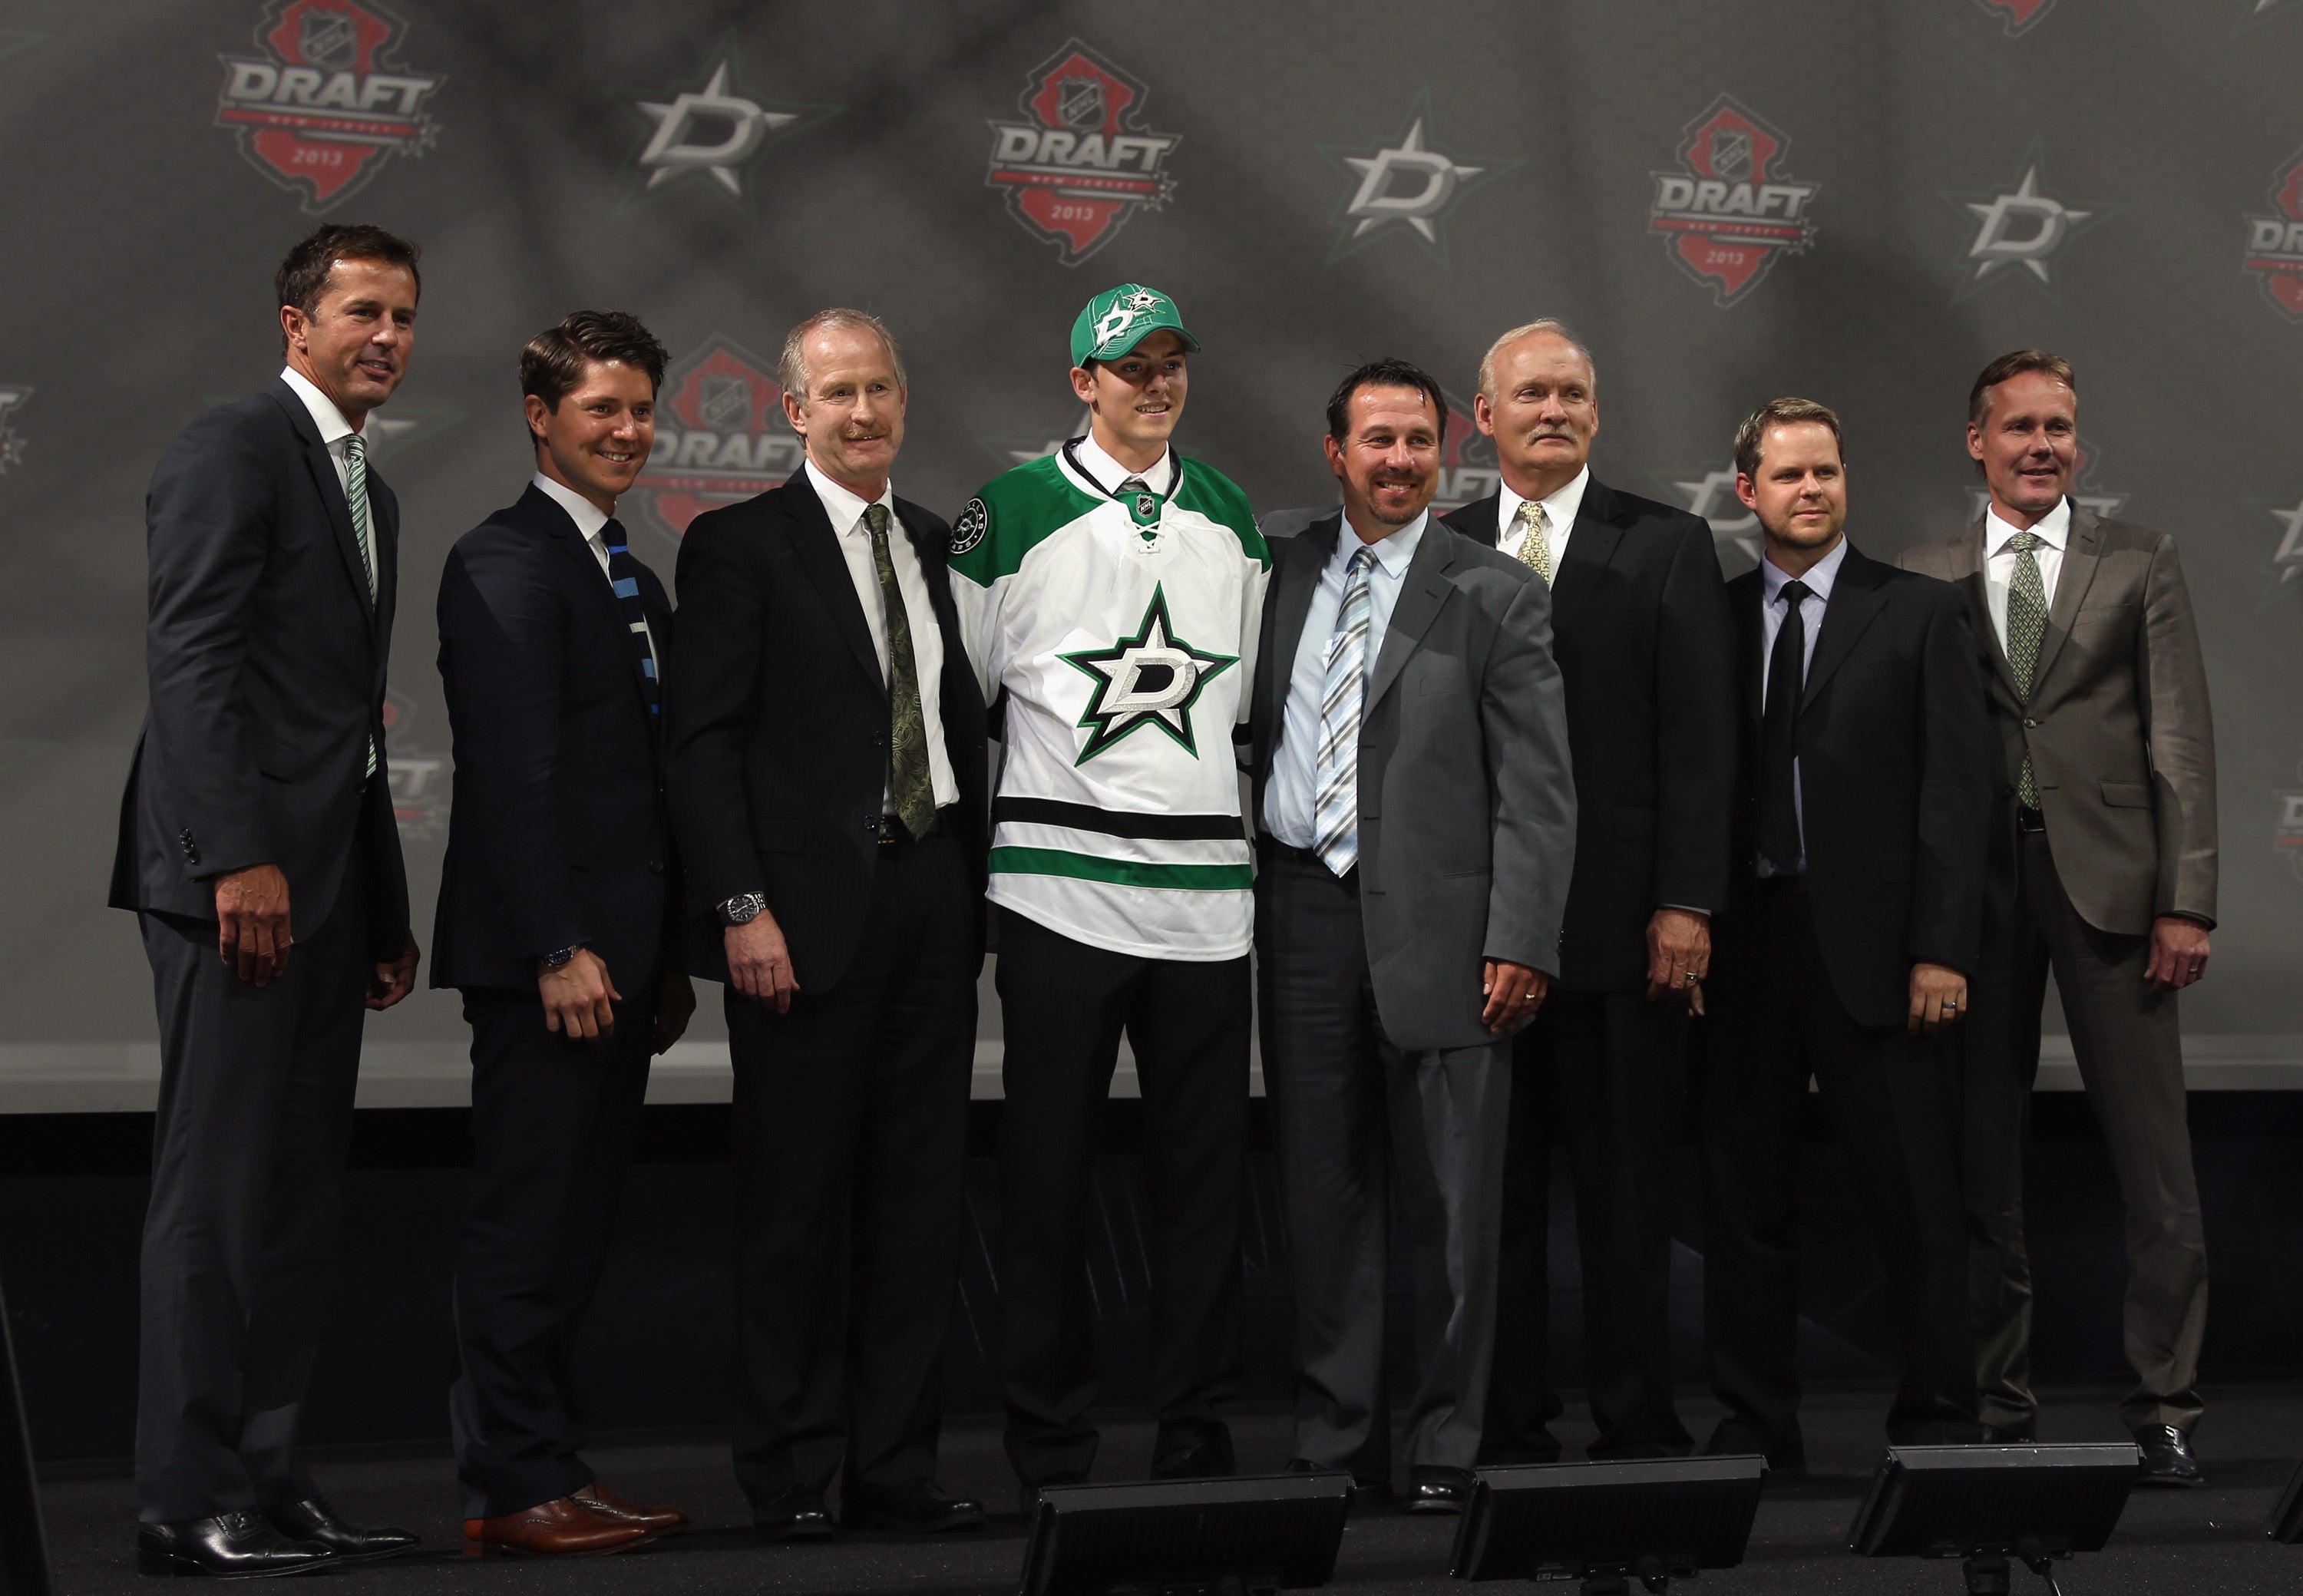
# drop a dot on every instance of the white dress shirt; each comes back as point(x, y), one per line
point(589, 521)
point(1107, 473)
point(333, 428)
point(1772, 610)
point(2054, 530)
point(1291, 794)
point(845, 511)
point(1559, 512)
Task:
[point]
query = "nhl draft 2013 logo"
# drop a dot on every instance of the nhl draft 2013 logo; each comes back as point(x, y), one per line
point(720, 437)
point(2017, 16)
point(1080, 161)
point(1731, 210)
point(324, 106)
point(1468, 470)
point(2274, 243)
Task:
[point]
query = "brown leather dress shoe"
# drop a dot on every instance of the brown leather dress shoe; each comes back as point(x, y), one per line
point(563, 1527)
point(606, 1504)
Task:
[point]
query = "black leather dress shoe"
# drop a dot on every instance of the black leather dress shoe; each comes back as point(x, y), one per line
point(1432, 1488)
point(313, 1520)
point(240, 1544)
point(2167, 1457)
point(795, 1513)
point(1207, 1457)
point(2009, 1435)
point(915, 1508)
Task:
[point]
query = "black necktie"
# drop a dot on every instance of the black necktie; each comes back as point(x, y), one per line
point(624, 574)
point(1779, 827)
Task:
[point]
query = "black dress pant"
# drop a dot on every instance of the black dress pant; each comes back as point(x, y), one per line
point(851, 1139)
point(552, 1129)
point(1064, 1004)
point(248, 1165)
point(1893, 1099)
point(1611, 1068)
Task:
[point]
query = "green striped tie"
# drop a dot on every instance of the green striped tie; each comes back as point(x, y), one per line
point(356, 499)
point(2027, 623)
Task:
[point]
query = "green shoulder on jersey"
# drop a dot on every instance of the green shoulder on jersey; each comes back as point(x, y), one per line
point(1018, 509)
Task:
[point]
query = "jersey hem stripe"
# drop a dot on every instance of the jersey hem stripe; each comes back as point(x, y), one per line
point(1117, 823)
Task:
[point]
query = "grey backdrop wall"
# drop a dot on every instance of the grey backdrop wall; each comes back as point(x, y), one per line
point(1858, 203)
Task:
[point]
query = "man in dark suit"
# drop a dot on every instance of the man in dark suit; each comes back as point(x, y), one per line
point(1862, 797)
point(257, 822)
point(1639, 624)
point(560, 922)
point(1409, 761)
point(826, 761)
point(2102, 869)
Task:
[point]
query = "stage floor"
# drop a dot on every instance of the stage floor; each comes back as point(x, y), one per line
point(2169, 1541)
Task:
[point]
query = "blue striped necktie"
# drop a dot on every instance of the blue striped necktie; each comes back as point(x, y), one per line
point(1335, 808)
point(624, 573)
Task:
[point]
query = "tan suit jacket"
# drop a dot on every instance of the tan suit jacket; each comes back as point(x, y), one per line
point(2118, 728)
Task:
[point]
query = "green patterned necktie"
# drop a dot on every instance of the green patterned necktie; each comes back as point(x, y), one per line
point(910, 781)
point(2027, 623)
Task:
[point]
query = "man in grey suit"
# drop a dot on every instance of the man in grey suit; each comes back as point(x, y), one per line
point(1409, 758)
point(258, 846)
point(2102, 870)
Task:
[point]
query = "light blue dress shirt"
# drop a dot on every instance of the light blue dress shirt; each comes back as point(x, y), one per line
point(1291, 793)
point(1772, 610)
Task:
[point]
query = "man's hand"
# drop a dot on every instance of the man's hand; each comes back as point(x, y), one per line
point(759, 965)
point(252, 932)
point(1679, 953)
point(394, 979)
point(1939, 998)
point(2178, 953)
point(677, 1008)
point(577, 997)
point(1513, 992)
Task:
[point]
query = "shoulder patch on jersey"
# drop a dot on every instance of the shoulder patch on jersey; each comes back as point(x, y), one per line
point(974, 521)
point(1011, 515)
point(1218, 497)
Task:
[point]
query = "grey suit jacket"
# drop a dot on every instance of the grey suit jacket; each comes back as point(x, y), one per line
point(2121, 741)
point(1467, 805)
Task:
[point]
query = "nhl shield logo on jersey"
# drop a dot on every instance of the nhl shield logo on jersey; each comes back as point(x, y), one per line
point(324, 108)
point(720, 437)
point(1079, 163)
point(1731, 210)
point(2274, 243)
point(1151, 678)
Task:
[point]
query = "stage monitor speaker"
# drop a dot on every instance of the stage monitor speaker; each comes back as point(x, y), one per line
point(1235, 1537)
point(1988, 1504)
point(24, 1568)
point(2286, 1513)
point(1607, 1524)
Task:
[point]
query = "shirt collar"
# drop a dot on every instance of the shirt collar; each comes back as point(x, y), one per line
point(1107, 473)
point(330, 420)
point(1818, 578)
point(847, 509)
point(2053, 530)
point(1560, 509)
point(586, 515)
point(1392, 551)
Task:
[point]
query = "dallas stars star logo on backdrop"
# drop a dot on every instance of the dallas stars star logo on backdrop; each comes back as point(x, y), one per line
point(712, 132)
point(1151, 678)
point(1407, 183)
point(2021, 230)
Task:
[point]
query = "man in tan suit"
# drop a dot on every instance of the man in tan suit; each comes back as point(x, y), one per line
point(2102, 870)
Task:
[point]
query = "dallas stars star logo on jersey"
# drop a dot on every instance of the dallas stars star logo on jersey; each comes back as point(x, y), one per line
point(1151, 678)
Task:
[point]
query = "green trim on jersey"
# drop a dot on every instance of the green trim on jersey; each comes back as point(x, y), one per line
point(1014, 513)
point(1125, 872)
point(1218, 497)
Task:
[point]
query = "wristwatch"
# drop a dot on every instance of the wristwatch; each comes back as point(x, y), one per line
point(743, 909)
point(559, 960)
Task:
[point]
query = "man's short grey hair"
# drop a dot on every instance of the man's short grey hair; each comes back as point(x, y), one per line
point(1551, 325)
point(791, 370)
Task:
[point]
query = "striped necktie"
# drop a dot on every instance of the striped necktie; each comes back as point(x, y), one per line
point(624, 576)
point(2027, 623)
point(1335, 808)
point(363, 532)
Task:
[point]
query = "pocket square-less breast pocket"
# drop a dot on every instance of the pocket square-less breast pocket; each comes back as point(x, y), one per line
point(2127, 795)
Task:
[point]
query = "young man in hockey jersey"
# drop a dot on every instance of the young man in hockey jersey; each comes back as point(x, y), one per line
point(1109, 595)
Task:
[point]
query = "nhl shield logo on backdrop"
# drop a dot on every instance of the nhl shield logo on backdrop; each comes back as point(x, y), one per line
point(1731, 210)
point(326, 105)
point(720, 437)
point(2274, 243)
point(2017, 16)
point(1079, 163)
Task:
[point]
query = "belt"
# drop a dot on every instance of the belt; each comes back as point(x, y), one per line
point(1271, 848)
point(2028, 819)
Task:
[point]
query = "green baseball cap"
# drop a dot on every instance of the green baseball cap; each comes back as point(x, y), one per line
point(1119, 319)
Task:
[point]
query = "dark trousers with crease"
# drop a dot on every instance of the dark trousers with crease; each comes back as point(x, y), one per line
point(1894, 1100)
point(1609, 1068)
point(1065, 1005)
point(240, 1239)
point(851, 1142)
point(552, 1129)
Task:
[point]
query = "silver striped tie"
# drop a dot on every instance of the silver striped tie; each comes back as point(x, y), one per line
point(363, 532)
point(1336, 811)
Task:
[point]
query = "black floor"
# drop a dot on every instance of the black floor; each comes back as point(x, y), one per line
point(2168, 1543)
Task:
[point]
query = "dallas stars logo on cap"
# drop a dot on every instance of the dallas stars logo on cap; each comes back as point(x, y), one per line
point(1119, 319)
point(1151, 678)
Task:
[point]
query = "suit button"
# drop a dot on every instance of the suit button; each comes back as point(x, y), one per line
point(2029, 721)
point(2007, 792)
point(878, 739)
point(871, 822)
point(655, 866)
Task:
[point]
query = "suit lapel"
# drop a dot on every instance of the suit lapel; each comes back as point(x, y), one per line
point(2082, 553)
point(1299, 580)
point(1591, 543)
point(1421, 593)
point(583, 566)
point(816, 546)
point(1751, 639)
point(330, 488)
point(1487, 521)
point(1854, 604)
point(1968, 566)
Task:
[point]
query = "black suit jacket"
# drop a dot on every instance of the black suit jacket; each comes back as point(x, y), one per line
point(558, 834)
point(777, 725)
point(265, 662)
point(1896, 779)
point(1639, 623)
